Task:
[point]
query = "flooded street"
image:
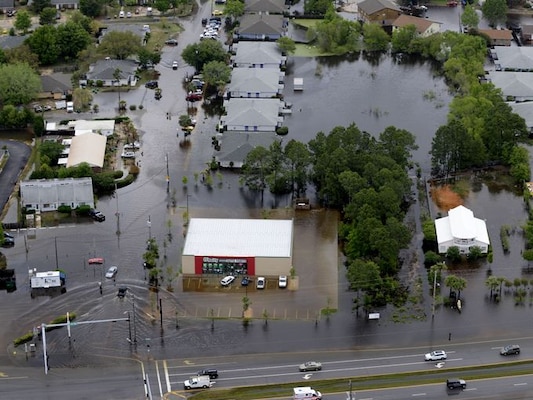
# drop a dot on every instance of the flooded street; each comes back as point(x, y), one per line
point(373, 94)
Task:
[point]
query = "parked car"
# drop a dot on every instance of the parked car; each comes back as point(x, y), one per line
point(11, 13)
point(260, 283)
point(111, 272)
point(218, 12)
point(8, 242)
point(38, 109)
point(151, 84)
point(192, 97)
point(212, 373)
point(310, 366)
point(227, 280)
point(456, 383)
point(510, 350)
point(174, 65)
point(282, 281)
point(245, 281)
point(121, 14)
point(128, 14)
point(8, 235)
point(128, 154)
point(96, 215)
point(436, 355)
point(171, 42)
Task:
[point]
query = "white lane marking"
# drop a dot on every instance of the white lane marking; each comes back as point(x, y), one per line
point(418, 394)
point(520, 384)
point(307, 376)
point(167, 380)
point(158, 373)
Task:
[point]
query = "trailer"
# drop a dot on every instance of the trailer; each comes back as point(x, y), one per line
point(48, 283)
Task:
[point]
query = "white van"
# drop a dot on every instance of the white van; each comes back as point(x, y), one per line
point(197, 382)
point(307, 393)
point(121, 14)
point(70, 106)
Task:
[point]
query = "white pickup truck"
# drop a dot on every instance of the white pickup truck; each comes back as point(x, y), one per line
point(197, 382)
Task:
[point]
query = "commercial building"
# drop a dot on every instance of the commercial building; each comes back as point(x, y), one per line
point(238, 247)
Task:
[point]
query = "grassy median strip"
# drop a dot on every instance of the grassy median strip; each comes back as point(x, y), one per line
point(370, 382)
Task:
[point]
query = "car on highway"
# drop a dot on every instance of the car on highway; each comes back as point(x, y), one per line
point(436, 355)
point(174, 65)
point(260, 283)
point(111, 272)
point(456, 383)
point(282, 281)
point(212, 373)
point(171, 42)
point(310, 366)
point(512, 349)
point(227, 280)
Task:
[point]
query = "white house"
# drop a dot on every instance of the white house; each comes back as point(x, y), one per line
point(49, 194)
point(461, 229)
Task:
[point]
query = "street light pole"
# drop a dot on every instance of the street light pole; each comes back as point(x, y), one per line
point(129, 326)
point(149, 223)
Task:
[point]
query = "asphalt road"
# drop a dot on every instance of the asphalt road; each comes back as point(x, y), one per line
point(19, 153)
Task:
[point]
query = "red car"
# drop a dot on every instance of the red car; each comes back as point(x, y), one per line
point(192, 97)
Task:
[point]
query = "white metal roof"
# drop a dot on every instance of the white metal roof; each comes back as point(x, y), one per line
point(89, 148)
point(239, 237)
point(461, 224)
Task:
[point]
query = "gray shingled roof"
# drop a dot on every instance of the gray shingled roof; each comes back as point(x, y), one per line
point(271, 6)
point(372, 6)
point(255, 80)
point(235, 145)
point(261, 24)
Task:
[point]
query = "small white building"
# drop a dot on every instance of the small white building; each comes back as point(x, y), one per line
point(50, 194)
point(461, 229)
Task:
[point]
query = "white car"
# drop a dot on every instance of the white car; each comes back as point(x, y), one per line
point(128, 154)
point(111, 272)
point(436, 355)
point(227, 280)
point(282, 281)
point(260, 283)
point(174, 65)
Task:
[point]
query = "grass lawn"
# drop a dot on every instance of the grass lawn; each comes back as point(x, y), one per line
point(307, 49)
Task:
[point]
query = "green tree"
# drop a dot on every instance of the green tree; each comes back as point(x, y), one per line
point(216, 74)
point(398, 145)
point(120, 45)
point(469, 17)
point(495, 11)
point(43, 42)
point(286, 45)
point(277, 177)
point(492, 282)
point(317, 7)
point(22, 54)
point(456, 284)
point(298, 161)
point(23, 21)
point(162, 6)
point(12, 117)
point(402, 38)
point(51, 151)
point(48, 16)
point(39, 5)
point(91, 8)
point(255, 169)
point(19, 84)
point(375, 38)
point(428, 228)
point(234, 8)
point(148, 58)
point(519, 161)
point(335, 34)
point(71, 39)
point(82, 99)
point(453, 253)
point(200, 53)
point(85, 21)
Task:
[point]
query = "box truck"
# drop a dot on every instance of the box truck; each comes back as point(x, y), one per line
point(197, 382)
point(307, 393)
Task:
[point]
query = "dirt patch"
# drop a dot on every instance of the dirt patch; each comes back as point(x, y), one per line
point(445, 198)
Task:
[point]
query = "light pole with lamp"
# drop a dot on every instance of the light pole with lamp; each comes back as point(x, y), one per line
point(129, 327)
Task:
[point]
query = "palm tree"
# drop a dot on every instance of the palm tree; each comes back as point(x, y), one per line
point(492, 282)
point(116, 76)
point(456, 283)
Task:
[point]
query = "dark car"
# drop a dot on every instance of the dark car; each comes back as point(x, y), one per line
point(122, 291)
point(171, 42)
point(8, 242)
point(192, 97)
point(245, 281)
point(96, 215)
point(11, 13)
point(151, 85)
point(512, 349)
point(456, 384)
point(8, 235)
point(212, 373)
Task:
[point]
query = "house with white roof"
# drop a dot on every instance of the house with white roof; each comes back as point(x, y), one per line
point(88, 148)
point(256, 83)
point(461, 229)
point(515, 86)
point(258, 55)
point(50, 194)
point(253, 247)
point(252, 115)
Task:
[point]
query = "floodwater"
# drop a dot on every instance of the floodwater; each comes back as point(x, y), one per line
point(371, 93)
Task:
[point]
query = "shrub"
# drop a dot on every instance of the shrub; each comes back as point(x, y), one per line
point(282, 130)
point(64, 209)
point(83, 210)
point(133, 107)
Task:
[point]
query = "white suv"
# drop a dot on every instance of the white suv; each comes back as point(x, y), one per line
point(436, 355)
point(282, 281)
point(260, 283)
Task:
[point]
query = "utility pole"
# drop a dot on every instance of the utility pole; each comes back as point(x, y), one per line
point(117, 213)
point(149, 223)
point(168, 174)
point(55, 242)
